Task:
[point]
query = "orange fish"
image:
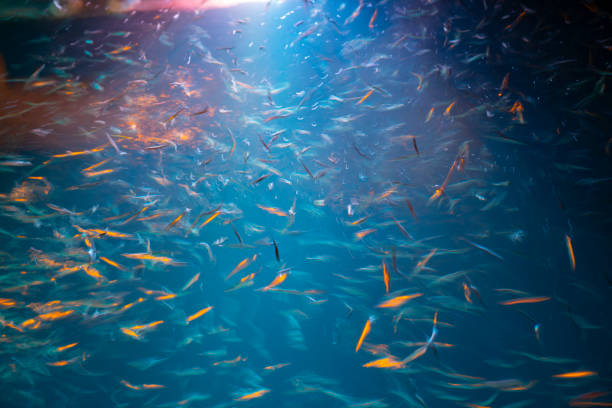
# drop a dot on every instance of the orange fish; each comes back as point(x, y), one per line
point(366, 96)
point(360, 221)
point(398, 301)
point(360, 234)
point(93, 166)
point(152, 386)
point(280, 278)
point(276, 366)
point(243, 264)
point(385, 362)
point(371, 23)
point(448, 109)
point(570, 251)
point(576, 374)
point(177, 219)
point(71, 154)
point(253, 395)
point(520, 301)
point(148, 257)
point(59, 363)
point(274, 211)
point(127, 384)
point(199, 314)
point(429, 115)
point(212, 217)
point(385, 194)
point(112, 263)
point(420, 79)
point(364, 333)
point(518, 110)
point(385, 276)
point(55, 315)
point(66, 347)
point(99, 172)
point(467, 292)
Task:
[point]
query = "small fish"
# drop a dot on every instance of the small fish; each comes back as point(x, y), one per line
point(193, 280)
point(429, 115)
point(154, 258)
point(570, 252)
point(253, 395)
point(276, 251)
point(411, 208)
point(203, 111)
point(243, 264)
point(576, 374)
point(261, 178)
point(449, 108)
point(112, 263)
point(504, 84)
point(359, 235)
point(398, 301)
point(174, 116)
point(524, 300)
point(280, 278)
point(414, 143)
point(212, 217)
point(483, 248)
point(273, 210)
point(372, 19)
point(176, 220)
point(236, 233)
point(366, 96)
point(199, 313)
point(385, 275)
point(66, 347)
point(364, 332)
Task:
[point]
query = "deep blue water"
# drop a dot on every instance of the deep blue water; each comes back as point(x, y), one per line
point(388, 143)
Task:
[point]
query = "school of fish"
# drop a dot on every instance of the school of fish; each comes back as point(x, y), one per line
point(306, 203)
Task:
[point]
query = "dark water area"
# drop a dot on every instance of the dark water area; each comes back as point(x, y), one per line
point(385, 204)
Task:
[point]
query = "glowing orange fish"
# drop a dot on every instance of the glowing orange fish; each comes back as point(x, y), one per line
point(274, 211)
point(385, 362)
point(280, 278)
point(520, 301)
point(429, 115)
point(364, 333)
point(148, 257)
point(447, 111)
point(253, 395)
point(398, 301)
point(66, 347)
point(99, 172)
point(366, 96)
point(570, 251)
point(152, 386)
point(112, 263)
point(576, 374)
point(360, 234)
point(199, 314)
point(243, 264)
point(276, 366)
point(212, 217)
point(372, 19)
point(385, 275)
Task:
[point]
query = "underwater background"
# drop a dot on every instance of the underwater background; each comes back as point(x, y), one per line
point(305, 203)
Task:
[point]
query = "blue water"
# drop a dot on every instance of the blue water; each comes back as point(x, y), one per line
point(388, 143)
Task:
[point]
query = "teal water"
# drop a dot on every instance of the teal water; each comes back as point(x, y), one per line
point(206, 209)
